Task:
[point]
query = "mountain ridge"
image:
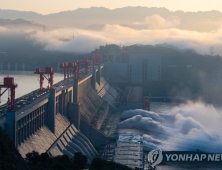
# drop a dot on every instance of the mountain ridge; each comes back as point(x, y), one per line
point(202, 21)
point(10, 10)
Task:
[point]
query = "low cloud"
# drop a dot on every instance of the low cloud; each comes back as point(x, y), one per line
point(63, 40)
point(87, 41)
point(158, 31)
point(158, 22)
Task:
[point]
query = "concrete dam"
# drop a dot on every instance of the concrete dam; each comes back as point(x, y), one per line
point(73, 117)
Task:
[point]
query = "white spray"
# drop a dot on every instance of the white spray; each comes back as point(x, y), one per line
point(190, 127)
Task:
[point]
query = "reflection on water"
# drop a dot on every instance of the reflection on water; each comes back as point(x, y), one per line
point(27, 81)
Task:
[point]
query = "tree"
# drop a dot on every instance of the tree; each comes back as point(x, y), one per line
point(59, 166)
point(33, 157)
point(102, 164)
point(97, 164)
point(79, 160)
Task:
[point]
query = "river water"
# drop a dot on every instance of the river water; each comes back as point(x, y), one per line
point(178, 127)
point(27, 81)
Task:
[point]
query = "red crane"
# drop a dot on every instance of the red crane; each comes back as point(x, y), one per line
point(66, 69)
point(76, 72)
point(86, 63)
point(48, 70)
point(9, 84)
point(93, 59)
point(74, 65)
point(146, 104)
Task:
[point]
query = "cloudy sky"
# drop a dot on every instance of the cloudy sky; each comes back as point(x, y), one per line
point(54, 6)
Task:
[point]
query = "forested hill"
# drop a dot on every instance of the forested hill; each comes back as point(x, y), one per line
point(10, 159)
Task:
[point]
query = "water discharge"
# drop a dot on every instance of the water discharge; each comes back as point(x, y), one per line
point(186, 127)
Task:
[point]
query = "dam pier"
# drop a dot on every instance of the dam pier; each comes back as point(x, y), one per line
point(65, 119)
point(80, 113)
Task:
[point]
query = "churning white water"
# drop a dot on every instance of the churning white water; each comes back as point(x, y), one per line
point(186, 127)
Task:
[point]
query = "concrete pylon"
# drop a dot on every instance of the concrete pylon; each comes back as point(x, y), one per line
point(74, 107)
point(70, 96)
point(10, 125)
point(52, 110)
point(75, 90)
point(74, 114)
point(65, 102)
point(93, 79)
point(98, 76)
point(61, 103)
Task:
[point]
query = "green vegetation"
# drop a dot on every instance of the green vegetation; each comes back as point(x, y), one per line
point(101, 164)
point(79, 160)
point(44, 162)
point(10, 159)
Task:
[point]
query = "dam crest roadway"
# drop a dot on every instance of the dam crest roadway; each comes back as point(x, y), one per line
point(77, 115)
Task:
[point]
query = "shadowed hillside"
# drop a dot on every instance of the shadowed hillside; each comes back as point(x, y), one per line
point(10, 159)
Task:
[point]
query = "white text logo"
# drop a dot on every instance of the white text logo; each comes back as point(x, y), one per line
point(155, 157)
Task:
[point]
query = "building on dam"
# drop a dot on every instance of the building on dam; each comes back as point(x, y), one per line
point(133, 68)
point(81, 115)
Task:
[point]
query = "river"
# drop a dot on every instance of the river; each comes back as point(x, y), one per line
point(27, 81)
point(192, 126)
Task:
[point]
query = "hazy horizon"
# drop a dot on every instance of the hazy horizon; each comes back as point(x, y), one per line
point(82, 31)
point(57, 6)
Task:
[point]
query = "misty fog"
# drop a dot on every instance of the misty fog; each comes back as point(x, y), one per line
point(187, 127)
point(146, 26)
point(85, 41)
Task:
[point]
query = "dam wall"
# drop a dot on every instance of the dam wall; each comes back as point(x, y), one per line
point(92, 107)
point(64, 121)
point(72, 141)
point(66, 140)
point(108, 93)
point(95, 136)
